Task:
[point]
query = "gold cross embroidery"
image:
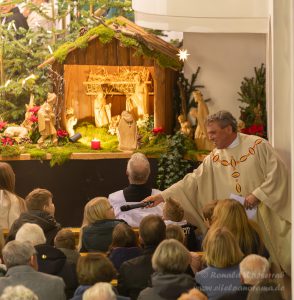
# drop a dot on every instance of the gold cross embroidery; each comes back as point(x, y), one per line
point(233, 163)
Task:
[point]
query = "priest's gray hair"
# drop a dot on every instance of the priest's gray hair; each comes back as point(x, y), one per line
point(101, 290)
point(17, 253)
point(138, 169)
point(18, 292)
point(223, 118)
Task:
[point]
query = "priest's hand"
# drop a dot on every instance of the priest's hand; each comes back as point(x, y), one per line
point(153, 200)
point(251, 201)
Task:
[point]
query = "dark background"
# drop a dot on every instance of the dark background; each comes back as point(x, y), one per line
point(74, 183)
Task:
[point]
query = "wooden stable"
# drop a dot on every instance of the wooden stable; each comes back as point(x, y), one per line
point(114, 57)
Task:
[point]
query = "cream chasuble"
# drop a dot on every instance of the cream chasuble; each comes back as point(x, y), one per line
point(252, 167)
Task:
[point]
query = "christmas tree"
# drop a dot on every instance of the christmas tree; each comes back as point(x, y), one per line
point(21, 51)
point(253, 95)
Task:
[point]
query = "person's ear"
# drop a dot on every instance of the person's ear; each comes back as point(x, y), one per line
point(230, 129)
point(34, 262)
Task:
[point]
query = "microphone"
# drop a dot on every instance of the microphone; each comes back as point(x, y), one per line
point(133, 206)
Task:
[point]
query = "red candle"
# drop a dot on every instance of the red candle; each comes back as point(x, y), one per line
point(95, 145)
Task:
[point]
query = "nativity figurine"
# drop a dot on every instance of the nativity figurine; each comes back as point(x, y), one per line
point(46, 120)
point(71, 121)
point(137, 102)
point(127, 132)
point(201, 113)
point(102, 111)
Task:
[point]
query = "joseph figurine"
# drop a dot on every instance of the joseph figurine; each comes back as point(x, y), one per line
point(46, 120)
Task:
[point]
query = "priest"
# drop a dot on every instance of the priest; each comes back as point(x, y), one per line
point(243, 165)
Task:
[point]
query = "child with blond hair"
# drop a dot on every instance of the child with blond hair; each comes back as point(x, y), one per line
point(173, 213)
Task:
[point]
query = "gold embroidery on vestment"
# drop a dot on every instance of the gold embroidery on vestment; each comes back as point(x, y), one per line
point(234, 163)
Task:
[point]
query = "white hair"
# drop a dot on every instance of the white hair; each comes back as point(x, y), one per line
point(138, 168)
point(17, 253)
point(32, 233)
point(101, 291)
point(18, 292)
point(254, 268)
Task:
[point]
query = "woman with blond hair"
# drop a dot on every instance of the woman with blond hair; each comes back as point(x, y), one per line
point(222, 256)
point(98, 224)
point(11, 206)
point(231, 214)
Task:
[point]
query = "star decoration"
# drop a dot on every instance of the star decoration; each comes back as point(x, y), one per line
point(183, 55)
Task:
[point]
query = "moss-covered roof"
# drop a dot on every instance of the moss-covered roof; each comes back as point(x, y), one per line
point(130, 35)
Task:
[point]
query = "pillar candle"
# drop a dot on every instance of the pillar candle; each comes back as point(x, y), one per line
point(95, 145)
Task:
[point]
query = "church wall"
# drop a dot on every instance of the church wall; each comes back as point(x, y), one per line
point(281, 88)
point(224, 60)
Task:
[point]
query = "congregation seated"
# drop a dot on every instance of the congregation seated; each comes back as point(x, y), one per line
point(135, 274)
point(170, 262)
point(50, 260)
point(11, 205)
point(138, 171)
point(65, 241)
point(222, 255)
point(41, 212)
point(18, 292)
point(173, 213)
point(231, 214)
point(91, 269)
point(124, 245)
point(98, 224)
point(21, 262)
point(253, 268)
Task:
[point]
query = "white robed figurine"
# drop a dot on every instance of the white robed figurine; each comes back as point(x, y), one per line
point(102, 111)
point(127, 132)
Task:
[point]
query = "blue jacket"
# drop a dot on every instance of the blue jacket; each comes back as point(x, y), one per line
point(216, 282)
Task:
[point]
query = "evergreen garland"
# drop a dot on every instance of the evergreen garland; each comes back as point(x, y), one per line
point(171, 165)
